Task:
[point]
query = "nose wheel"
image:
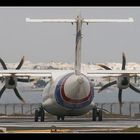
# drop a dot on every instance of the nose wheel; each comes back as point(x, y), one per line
point(96, 113)
point(60, 118)
point(39, 113)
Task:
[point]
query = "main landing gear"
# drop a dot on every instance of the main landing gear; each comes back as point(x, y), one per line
point(96, 113)
point(39, 113)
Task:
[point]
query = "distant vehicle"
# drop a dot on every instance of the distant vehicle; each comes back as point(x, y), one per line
point(40, 83)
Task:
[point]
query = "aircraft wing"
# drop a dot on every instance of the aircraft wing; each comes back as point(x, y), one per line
point(24, 72)
point(34, 73)
point(55, 73)
point(112, 73)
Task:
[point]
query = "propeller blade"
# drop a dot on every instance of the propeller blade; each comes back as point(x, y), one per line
point(2, 79)
point(20, 64)
point(123, 61)
point(3, 64)
point(2, 90)
point(18, 95)
point(133, 88)
point(25, 80)
point(107, 85)
point(103, 66)
point(120, 97)
point(135, 78)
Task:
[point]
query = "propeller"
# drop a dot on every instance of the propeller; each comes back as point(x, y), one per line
point(11, 81)
point(123, 80)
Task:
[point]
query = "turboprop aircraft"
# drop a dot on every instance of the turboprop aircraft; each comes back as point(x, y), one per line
point(69, 93)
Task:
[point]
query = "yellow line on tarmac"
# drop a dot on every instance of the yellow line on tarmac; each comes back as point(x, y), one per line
point(39, 131)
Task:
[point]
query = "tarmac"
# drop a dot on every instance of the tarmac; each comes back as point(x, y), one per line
point(69, 125)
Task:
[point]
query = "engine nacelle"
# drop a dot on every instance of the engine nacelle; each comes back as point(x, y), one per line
point(123, 81)
point(11, 82)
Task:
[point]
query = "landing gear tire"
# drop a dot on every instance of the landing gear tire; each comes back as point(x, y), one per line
point(100, 115)
point(36, 115)
point(39, 113)
point(94, 114)
point(60, 118)
point(42, 114)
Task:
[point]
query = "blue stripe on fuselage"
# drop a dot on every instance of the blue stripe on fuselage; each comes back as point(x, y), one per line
point(66, 104)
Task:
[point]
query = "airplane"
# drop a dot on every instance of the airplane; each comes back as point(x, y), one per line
point(123, 80)
point(69, 93)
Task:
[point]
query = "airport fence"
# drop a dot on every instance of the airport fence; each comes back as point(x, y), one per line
point(130, 109)
point(18, 109)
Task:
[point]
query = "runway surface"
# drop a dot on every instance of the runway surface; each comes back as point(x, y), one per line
point(73, 125)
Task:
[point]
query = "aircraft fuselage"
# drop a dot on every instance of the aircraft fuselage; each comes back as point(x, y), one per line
point(68, 95)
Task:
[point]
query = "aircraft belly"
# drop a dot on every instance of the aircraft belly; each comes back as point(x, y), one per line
point(52, 107)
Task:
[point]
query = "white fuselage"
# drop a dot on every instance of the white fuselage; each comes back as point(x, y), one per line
point(68, 95)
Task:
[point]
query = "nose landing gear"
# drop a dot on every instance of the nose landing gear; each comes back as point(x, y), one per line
point(60, 118)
